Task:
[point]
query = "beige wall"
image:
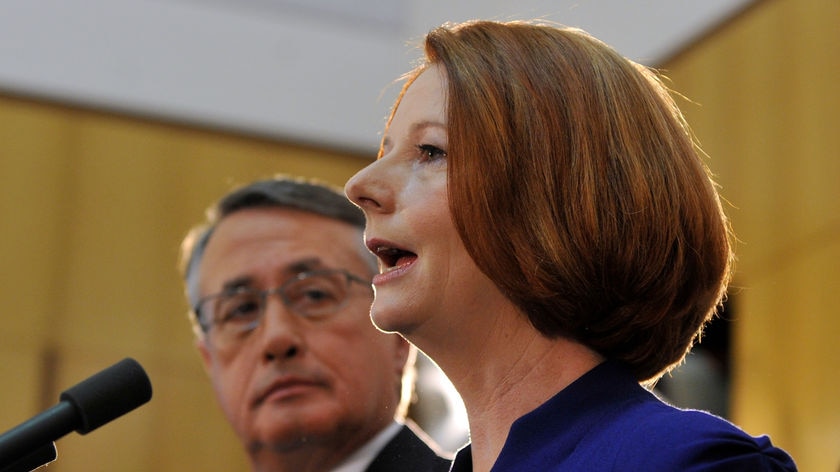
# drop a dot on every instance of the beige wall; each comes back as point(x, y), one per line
point(93, 207)
point(767, 111)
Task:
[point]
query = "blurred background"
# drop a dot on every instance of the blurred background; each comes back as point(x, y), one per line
point(122, 120)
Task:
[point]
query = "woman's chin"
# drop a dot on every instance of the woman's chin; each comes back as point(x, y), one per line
point(391, 319)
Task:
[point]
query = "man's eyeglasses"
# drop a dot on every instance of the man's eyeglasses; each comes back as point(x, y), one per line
point(316, 294)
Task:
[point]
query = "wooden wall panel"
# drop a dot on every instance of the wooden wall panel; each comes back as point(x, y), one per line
point(766, 89)
point(94, 207)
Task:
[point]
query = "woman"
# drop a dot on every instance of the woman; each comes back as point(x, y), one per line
point(548, 234)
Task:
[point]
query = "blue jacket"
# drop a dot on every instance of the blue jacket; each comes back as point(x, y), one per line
point(605, 421)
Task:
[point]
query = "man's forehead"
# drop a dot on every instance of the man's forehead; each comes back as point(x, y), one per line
point(283, 242)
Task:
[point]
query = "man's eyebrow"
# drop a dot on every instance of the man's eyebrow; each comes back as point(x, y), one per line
point(237, 283)
point(292, 269)
point(304, 265)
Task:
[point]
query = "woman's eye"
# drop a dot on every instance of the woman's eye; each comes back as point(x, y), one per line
point(431, 153)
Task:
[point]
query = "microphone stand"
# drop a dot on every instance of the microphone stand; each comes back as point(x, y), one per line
point(34, 460)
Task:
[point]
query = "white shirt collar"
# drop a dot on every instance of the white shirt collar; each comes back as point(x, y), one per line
point(361, 459)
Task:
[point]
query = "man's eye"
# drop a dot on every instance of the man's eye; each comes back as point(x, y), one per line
point(431, 152)
point(312, 299)
point(239, 310)
point(308, 298)
point(315, 295)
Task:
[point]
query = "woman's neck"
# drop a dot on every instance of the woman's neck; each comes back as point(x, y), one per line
point(504, 370)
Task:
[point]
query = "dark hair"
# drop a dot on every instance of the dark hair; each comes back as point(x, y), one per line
point(576, 186)
point(307, 195)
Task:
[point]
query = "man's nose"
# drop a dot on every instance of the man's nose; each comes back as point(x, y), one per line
point(281, 332)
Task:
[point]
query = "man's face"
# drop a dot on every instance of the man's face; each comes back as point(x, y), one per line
point(295, 381)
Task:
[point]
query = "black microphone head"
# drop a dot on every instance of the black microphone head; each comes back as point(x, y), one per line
point(109, 394)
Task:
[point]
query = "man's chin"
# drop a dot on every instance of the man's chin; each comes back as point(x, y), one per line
point(292, 430)
point(282, 441)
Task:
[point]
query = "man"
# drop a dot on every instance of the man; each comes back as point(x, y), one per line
point(279, 282)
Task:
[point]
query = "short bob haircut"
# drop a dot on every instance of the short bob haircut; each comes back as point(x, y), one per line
point(576, 186)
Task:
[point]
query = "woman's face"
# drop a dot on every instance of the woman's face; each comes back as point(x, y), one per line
point(428, 285)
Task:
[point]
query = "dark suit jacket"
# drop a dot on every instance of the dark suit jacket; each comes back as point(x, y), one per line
point(407, 452)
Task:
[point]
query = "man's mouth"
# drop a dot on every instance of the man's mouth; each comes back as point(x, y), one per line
point(285, 387)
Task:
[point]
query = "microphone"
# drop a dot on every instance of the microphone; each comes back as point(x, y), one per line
point(83, 407)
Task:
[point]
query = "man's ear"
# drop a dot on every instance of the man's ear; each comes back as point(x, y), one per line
point(206, 357)
point(405, 356)
point(403, 353)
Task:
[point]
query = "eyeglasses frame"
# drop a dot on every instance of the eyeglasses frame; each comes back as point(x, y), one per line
point(280, 290)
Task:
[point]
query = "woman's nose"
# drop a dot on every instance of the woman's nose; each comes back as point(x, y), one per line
point(370, 190)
